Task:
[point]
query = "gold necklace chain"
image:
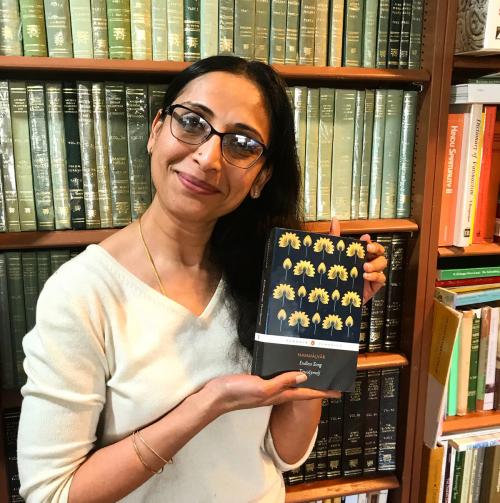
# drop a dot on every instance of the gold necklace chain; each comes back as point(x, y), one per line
point(150, 258)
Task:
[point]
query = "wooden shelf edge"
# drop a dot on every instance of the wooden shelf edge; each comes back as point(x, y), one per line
point(472, 421)
point(477, 249)
point(339, 487)
point(491, 62)
point(127, 67)
point(369, 361)
point(361, 226)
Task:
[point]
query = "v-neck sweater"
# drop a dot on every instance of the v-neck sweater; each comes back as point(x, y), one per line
point(109, 355)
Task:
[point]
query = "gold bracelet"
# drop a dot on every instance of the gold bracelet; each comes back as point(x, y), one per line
point(166, 461)
point(141, 459)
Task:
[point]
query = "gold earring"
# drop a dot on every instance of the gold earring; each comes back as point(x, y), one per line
point(254, 194)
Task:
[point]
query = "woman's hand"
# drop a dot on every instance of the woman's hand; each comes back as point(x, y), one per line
point(374, 266)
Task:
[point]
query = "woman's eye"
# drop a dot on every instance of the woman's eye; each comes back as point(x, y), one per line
point(192, 122)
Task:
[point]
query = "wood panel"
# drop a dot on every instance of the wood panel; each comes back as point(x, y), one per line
point(471, 421)
point(478, 249)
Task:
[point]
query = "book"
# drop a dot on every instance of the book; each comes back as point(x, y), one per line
point(490, 486)
point(310, 308)
point(468, 272)
point(465, 295)
point(389, 391)
point(475, 441)
point(468, 281)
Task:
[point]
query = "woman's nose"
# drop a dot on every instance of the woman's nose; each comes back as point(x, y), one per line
point(209, 153)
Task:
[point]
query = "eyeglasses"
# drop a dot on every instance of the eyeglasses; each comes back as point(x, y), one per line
point(191, 128)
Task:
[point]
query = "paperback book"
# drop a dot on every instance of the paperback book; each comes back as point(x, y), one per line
point(309, 315)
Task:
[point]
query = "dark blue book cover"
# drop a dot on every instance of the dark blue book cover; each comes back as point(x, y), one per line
point(310, 308)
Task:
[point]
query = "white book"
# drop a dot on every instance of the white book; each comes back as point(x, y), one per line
point(489, 392)
point(383, 495)
point(475, 441)
point(452, 453)
point(466, 476)
point(443, 468)
point(352, 498)
point(475, 93)
point(209, 27)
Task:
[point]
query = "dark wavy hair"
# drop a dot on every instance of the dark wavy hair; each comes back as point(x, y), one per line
point(238, 240)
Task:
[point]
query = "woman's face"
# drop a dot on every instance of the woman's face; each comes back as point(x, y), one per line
point(195, 182)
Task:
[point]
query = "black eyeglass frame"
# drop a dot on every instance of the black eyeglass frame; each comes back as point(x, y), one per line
point(169, 111)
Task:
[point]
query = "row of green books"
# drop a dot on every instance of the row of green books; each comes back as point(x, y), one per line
point(370, 33)
point(356, 433)
point(356, 150)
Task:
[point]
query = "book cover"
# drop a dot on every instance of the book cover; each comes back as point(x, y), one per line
point(310, 308)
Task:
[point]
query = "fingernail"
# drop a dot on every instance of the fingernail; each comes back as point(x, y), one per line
point(300, 378)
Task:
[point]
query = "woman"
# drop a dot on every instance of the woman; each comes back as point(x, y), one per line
point(140, 356)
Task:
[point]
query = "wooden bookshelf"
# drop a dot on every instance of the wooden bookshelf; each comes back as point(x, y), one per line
point(472, 421)
point(362, 226)
point(490, 64)
point(369, 361)
point(479, 249)
point(311, 491)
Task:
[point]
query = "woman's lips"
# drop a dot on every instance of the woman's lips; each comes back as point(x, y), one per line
point(196, 185)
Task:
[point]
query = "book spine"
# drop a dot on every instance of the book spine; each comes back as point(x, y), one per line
point(262, 30)
point(58, 257)
point(405, 171)
point(372, 406)
point(392, 139)
point(292, 32)
point(226, 30)
point(468, 272)
point(7, 373)
point(417, 12)
point(364, 328)
point(43, 268)
point(300, 119)
point(159, 31)
point(74, 159)
point(389, 390)
point(458, 476)
point(353, 32)
point(81, 28)
point(3, 221)
point(311, 166)
point(33, 23)
point(483, 356)
point(22, 155)
point(396, 11)
point(10, 421)
point(335, 434)
point(342, 156)
point(119, 37)
point(370, 33)
point(192, 30)
point(366, 160)
point(137, 130)
point(464, 352)
point(377, 154)
point(306, 32)
point(477, 475)
point(357, 153)
point(474, 360)
point(156, 97)
point(321, 33)
point(40, 156)
point(453, 378)
point(99, 29)
point(102, 154)
point(175, 30)
point(310, 466)
point(57, 149)
point(57, 19)
point(30, 286)
point(404, 41)
point(8, 164)
point(10, 27)
point(322, 441)
point(468, 281)
point(490, 488)
point(336, 33)
point(140, 28)
point(87, 150)
point(116, 121)
point(489, 386)
point(244, 28)
point(278, 31)
point(382, 34)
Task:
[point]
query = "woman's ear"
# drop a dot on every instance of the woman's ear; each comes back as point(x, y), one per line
point(155, 131)
point(260, 181)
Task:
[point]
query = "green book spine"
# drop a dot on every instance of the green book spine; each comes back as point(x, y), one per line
point(357, 153)
point(156, 97)
point(382, 33)
point(22, 155)
point(457, 477)
point(417, 12)
point(366, 159)
point(15, 290)
point(43, 268)
point(278, 31)
point(192, 30)
point(353, 33)
point(336, 33)
point(175, 30)
point(244, 31)
point(81, 28)
point(474, 361)
point(57, 22)
point(137, 130)
point(159, 30)
point(453, 378)
point(306, 32)
point(209, 28)
point(404, 41)
point(3, 222)
point(300, 116)
point(87, 152)
point(118, 159)
point(73, 156)
point(226, 26)
point(321, 33)
point(33, 22)
point(292, 32)
point(57, 149)
point(140, 27)
point(30, 284)
point(58, 257)
point(10, 29)
point(40, 156)
point(410, 100)
point(102, 154)
point(370, 33)
point(392, 139)
point(7, 372)
point(311, 169)
point(262, 30)
point(99, 29)
point(326, 111)
point(119, 37)
point(396, 11)
point(377, 154)
point(8, 165)
point(343, 146)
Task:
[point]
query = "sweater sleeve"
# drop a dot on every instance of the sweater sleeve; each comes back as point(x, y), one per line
point(65, 390)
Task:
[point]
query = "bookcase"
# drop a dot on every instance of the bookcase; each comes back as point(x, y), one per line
point(433, 82)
